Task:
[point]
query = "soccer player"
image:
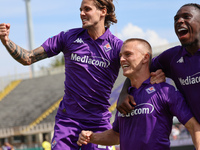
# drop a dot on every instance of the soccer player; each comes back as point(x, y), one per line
point(91, 67)
point(149, 125)
point(181, 63)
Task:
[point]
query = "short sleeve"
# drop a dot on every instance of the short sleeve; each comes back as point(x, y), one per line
point(177, 105)
point(54, 45)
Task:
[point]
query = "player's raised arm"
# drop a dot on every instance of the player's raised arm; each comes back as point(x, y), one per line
point(21, 55)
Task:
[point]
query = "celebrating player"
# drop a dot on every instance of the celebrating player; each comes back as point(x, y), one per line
point(149, 125)
point(91, 67)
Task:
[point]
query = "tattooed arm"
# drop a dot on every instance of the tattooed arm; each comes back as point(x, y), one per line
point(21, 55)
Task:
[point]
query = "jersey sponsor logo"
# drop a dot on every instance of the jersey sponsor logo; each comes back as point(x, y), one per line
point(94, 60)
point(105, 147)
point(141, 109)
point(107, 47)
point(180, 60)
point(101, 146)
point(150, 90)
point(190, 80)
point(78, 40)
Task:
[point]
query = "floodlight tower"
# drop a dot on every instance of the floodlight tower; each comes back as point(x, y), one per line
point(30, 32)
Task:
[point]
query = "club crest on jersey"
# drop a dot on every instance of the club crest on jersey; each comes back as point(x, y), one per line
point(107, 47)
point(150, 90)
point(53, 143)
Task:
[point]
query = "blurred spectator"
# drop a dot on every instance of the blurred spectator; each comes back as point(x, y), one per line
point(175, 132)
point(7, 146)
point(46, 145)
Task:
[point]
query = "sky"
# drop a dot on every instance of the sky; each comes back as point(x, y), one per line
point(152, 20)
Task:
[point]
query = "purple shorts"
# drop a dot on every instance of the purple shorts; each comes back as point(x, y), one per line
point(67, 130)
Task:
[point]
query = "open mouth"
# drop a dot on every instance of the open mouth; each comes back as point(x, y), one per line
point(182, 32)
point(125, 66)
point(84, 21)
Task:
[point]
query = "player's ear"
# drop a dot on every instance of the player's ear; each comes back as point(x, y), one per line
point(104, 11)
point(146, 58)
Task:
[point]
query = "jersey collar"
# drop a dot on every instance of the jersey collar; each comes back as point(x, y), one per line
point(185, 52)
point(102, 37)
point(146, 82)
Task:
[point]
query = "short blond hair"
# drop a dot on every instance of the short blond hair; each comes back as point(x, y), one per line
point(144, 43)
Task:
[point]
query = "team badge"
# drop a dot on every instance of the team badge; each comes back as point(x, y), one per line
point(107, 47)
point(150, 90)
point(53, 143)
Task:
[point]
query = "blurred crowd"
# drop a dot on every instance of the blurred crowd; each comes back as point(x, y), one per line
point(179, 132)
point(6, 146)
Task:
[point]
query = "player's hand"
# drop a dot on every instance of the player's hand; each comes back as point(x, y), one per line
point(157, 77)
point(4, 32)
point(84, 137)
point(126, 105)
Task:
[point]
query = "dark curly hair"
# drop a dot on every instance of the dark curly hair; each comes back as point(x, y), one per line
point(192, 4)
point(108, 4)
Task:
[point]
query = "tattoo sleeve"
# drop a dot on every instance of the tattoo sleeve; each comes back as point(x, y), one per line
point(23, 56)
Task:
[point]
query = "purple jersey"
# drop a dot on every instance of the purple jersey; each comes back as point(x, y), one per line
point(91, 68)
point(149, 125)
point(184, 69)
